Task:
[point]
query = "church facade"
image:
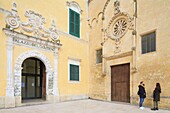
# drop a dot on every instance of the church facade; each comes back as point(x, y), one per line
point(132, 37)
point(67, 50)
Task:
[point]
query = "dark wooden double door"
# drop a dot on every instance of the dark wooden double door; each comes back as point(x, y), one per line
point(120, 83)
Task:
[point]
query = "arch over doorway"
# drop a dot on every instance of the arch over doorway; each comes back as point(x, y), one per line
point(18, 71)
point(33, 80)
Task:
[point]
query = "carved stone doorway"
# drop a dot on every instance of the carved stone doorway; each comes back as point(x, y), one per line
point(48, 74)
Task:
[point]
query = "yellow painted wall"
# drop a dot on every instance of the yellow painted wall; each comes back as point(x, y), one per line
point(72, 47)
point(3, 57)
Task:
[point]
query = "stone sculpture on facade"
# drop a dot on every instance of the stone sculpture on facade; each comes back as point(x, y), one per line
point(118, 26)
point(34, 24)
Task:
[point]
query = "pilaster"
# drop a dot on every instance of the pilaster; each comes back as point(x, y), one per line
point(9, 99)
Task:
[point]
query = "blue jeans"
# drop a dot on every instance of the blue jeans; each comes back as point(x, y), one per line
point(141, 102)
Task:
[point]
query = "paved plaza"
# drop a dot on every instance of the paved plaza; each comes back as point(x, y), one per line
point(81, 106)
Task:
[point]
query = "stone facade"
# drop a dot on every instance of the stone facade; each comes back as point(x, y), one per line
point(117, 27)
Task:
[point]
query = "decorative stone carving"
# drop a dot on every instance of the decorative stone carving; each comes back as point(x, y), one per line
point(116, 5)
point(27, 41)
point(50, 76)
point(12, 19)
point(17, 71)
point(75, 5)
point(117, 28)
point(34, 25)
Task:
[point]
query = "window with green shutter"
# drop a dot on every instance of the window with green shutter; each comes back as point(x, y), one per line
point(74, 23)
point(74, 72)
point(148, 43)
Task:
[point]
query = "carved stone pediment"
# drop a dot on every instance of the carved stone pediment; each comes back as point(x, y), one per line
point(34, 25)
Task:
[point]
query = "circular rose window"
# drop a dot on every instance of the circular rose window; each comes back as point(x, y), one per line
point(119, 27)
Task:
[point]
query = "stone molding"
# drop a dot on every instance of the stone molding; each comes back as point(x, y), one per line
point(32, 42)
point(75, 6)
point(6, 12)
point(75, 59)
point(118, 55)
point(18, 70)
point(90, 22)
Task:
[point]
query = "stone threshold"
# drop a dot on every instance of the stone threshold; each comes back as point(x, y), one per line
point(30, 102)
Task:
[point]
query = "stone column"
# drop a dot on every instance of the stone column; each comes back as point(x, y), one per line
point(55, 86)
point(9, 99)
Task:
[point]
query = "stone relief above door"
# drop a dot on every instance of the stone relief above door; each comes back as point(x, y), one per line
point(34, 24)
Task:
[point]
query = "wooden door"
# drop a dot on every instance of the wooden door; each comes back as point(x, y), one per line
point(120, 83)
point(44, 84)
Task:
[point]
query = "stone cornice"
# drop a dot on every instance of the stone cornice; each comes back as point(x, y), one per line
point(118, 56)
point(29, 41)
point(75, 59)
point(6, 12)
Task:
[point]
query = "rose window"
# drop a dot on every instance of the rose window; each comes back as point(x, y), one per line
point(119, 27)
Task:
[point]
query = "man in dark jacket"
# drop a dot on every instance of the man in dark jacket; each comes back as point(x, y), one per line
point(142, 94)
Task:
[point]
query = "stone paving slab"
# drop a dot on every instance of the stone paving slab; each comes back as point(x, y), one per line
point(82, 106)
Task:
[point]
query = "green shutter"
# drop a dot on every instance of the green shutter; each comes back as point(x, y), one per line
point(77, 25)
point(71, 22)
point(74, 72)
point(74, 23)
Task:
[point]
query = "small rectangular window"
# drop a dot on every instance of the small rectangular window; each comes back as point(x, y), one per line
point(148, 43)
point(74, 72)
point(99, 56)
